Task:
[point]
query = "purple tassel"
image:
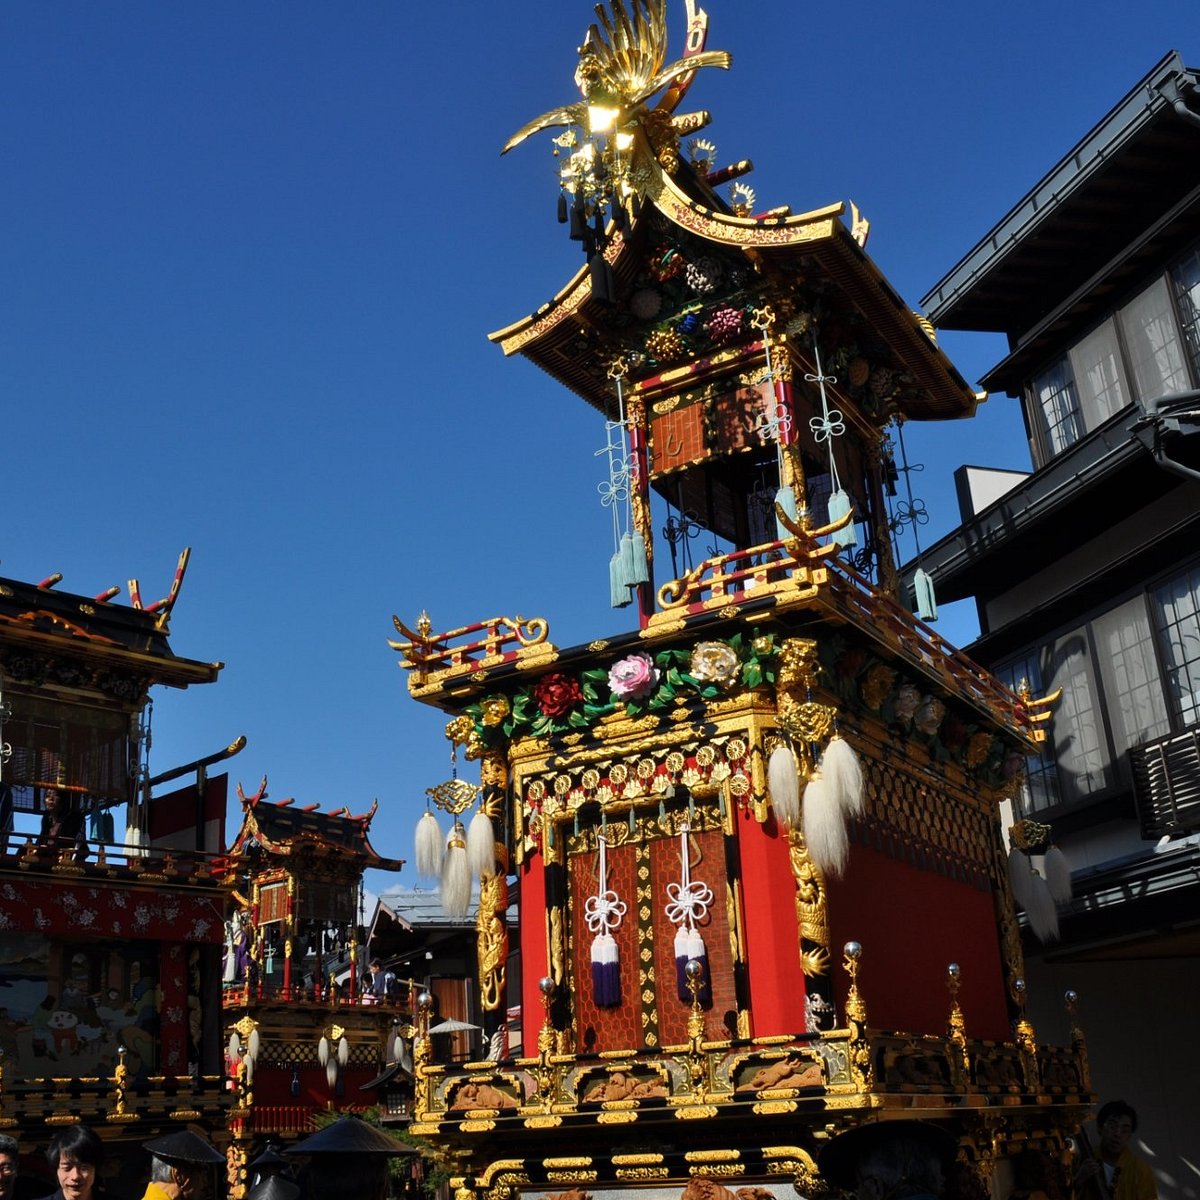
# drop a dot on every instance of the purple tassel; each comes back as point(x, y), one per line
point(606, 971)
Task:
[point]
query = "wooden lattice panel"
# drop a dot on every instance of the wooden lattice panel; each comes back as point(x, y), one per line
point(911, 819)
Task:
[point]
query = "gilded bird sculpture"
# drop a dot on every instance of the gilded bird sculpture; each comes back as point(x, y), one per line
point(621, 65)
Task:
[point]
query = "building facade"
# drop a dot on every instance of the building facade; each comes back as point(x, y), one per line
point(1086, 571)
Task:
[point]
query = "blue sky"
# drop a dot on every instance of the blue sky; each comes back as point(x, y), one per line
point(249, 255)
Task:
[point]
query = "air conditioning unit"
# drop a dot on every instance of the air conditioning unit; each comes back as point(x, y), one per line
point(1166, 781)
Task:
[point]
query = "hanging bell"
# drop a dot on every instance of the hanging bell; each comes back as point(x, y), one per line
point(562, 208)
point(603, 283)
point(926, 601)
point(839, 506)
point(578, 222)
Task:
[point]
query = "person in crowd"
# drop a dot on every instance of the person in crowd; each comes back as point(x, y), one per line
point(181, 1166)
point(75, 1156)
point(274, 1187)
point(62, 825)
point(348, 1158)
point(381, 984)
point(10, 1164)
point(890, 1160)
point(1112, 1171)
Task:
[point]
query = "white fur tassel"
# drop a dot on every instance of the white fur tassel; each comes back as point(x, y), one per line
point(481, 845)
point(784, 786)
point(824, 829)
point(843, 775)
point(456, 874)
point(1058, 875)
point(1023, 878)
point(431, 846)
point(1042, 914)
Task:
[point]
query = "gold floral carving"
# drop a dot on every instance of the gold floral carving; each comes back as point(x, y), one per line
point(643, 1174)
point(616, 1118)
point(695, 1112)
point(543, 1122)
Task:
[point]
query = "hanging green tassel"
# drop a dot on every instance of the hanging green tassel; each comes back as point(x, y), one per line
point(926, 600)
point(786, 499)
point(633, 559)
point(618, 589)
point(839, 505)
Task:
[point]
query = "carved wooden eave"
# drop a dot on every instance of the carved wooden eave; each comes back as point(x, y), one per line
point(323, 835)
point(775, 245)
point(43, 625)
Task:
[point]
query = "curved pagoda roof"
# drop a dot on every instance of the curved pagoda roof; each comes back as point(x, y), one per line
point(280, 828)
point(805, 261)
point(89, 636)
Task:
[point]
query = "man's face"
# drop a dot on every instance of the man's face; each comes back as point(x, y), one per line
point(8, 1175)
point(1115, 1135)
point(76, 1179)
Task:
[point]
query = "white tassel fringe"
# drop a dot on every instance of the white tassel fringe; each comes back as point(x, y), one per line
point(481, 845)
point(1022, 876)
point(784, 786)
point(456, 875)
point(824, 829)
point(431, 843)
point(1042, 914)
point(843, 775)
point(1058, 875)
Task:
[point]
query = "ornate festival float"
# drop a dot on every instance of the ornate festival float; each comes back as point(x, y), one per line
point(305, 1034)
point(763, 892)
point(110, 915)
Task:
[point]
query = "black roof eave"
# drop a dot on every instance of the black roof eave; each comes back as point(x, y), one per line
point(961, 300)
point(1096, 297)
point(956, 560)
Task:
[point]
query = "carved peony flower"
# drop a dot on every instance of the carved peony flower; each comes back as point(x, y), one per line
point(929, 716)
point(645, 304)
point(633, 677)
point(494, 710)
point(459, 730)
point(908, 700)
point(557, 694)
point(978, 748)
point(715, 662)
point(877, 686)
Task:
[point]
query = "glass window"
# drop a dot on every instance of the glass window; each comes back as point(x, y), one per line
point(1077, 730)
point(1177, 611)
point(1186, 278)
point(1153, 342)
point(1056, 398)
point(1099, 376)
point(1133, 693)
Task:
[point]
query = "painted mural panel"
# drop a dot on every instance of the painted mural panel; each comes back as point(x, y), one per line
point(66, 1005)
